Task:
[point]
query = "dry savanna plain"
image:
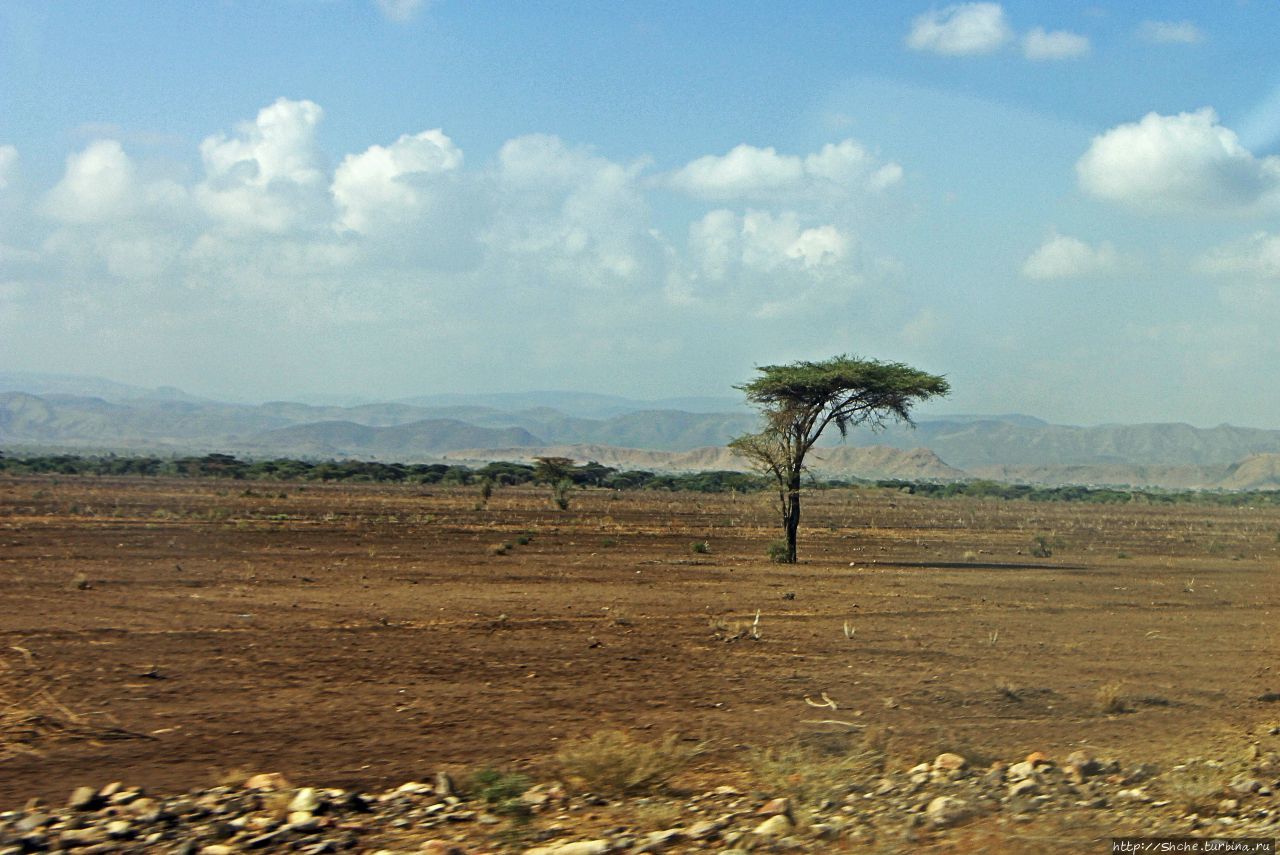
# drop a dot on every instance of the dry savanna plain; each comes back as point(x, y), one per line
point(168, 633)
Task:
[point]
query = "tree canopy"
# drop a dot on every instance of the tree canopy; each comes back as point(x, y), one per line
point(801, 400)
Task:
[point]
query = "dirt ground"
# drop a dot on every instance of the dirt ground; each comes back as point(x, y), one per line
point(168, 632)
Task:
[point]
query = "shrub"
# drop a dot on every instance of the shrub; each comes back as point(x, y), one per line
point(778, 552)
point(560, 493)
point(701, 547)
point(613, 762)
point(501, 790)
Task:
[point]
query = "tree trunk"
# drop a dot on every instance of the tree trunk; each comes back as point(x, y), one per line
point(791, 522)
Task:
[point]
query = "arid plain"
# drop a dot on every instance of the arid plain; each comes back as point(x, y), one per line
point(168, 632)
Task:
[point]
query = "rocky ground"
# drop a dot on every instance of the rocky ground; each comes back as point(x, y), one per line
point(949, 804)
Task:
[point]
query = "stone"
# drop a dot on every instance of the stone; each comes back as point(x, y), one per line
point(774, 807)
point(31, 822)
point(217, 849)
point(705, 829)
point(306, 799)
point(778, 825)
point(84, 798)
point(1021, 771)
point(445, 785)
point(1021, 789)
point(441, 847)
point(1039, 758)
point(120, 829)
point(1244, 784)
point(267, 781)
point(946, 810)
point(949, 762)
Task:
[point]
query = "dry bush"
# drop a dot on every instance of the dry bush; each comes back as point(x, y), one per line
point(828, 766)
point(1110, 700)
point(615, 763)
point(1196, 787)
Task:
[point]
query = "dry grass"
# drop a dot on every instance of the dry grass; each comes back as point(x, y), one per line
point(615, 763)
point(823, 767)
point(32, 716)
point(1195, 787)
point(1110, 698)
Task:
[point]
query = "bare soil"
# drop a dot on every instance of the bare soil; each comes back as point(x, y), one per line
point(168, 632)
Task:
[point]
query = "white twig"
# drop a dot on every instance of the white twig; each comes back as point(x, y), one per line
point(826, 702)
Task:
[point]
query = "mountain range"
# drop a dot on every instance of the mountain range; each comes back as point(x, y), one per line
point(60, 412)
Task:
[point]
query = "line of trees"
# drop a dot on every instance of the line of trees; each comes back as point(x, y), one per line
point(583, 475)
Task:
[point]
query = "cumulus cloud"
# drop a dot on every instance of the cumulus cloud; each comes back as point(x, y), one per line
point(748, 172)
point(1186, 162)
point(1039, 45)
point(8, 164)
point(1257, 257)
point(581, 217)
point(389, 184)
point(1170, 32)
point(1065, 257)
point(960, 30)
point(723, 245)
point(96, 185)
point(101, 185)
point(267, 176)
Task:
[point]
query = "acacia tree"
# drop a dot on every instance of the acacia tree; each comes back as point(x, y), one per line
point(799, 401)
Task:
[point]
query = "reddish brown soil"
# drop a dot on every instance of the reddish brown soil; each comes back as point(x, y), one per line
point(364, 635)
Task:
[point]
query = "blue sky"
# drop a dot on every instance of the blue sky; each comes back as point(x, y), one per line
point(1072, 211)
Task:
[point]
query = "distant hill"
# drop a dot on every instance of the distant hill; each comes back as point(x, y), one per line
point(870, 463)
point(1008, 447)
point(407, 442)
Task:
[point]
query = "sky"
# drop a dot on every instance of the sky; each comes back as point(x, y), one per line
point(1072, 211)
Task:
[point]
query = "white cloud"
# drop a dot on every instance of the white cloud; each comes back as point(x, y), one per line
point(580, 218)
point(961, 30)
point(385, 185)
point(8, 164)
point(400, 10)
point(1039, 45)
point(1064, 257)
point(1186, 162)
point(268, 176)
point(96, 186)
point(1170, 32)
point(723, 244)
point(748, 172)
point(1257, 256)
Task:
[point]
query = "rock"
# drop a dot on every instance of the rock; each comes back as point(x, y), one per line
point(1245, 784)
point(84, 798)
point(658, 841)
point(1025, 787)
point(704, 830)
point(441, 847)
point(267, 781)
point(946, 810)
point(778, 825)
point(31, 822)
point(949, 762)
point(1021, 771)
point(775, 807)
point(306, 800)
point(217, 849)
point(120, 829)
point(444, 785)
point(1039, 758)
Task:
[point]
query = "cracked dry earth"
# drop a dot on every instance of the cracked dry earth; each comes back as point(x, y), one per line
point(177, 634)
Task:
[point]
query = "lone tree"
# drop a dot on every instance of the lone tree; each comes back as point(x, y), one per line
point(799, 401)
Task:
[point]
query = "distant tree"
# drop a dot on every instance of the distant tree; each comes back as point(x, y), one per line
point(799, 401)
point(552, 470)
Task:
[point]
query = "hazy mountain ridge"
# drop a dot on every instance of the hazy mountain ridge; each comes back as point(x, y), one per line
point(1010, 447)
